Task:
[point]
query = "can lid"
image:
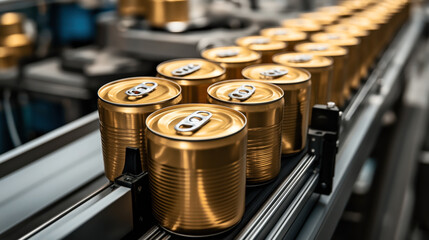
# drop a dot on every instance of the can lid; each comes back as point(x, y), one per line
point(361, 22)
point(339, 39)
point(302, 60)
point(260, 43)
point(241, 91)
point(139, 91)
point(346, 28)
point(354, 5)
point(339, 11)
point(376, 17)
point(302, 24)
point(284, 34)
point(231, 54)
point(16, 40)
point(196, 122)
point(321, 49)
point(10, 18)
point(319, 17)
point(190, 69)
point(276, 74)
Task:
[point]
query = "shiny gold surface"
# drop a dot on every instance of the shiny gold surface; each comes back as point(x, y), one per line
point(264, 45)
point(122, 118)
point(320, 18)
point(11, 23)
point(339, 55)
point(339, 11)
point(194, 85)
point(355, 6)
point(264, 113)
point(321, 73)
point(132, 8)
point(288, 35)
point(352, 44)
point(19, 45)
point(162, 12)
point(7, 60)
point(197, 186)
point(302, 24)
point(232, 64)
point(296, 85)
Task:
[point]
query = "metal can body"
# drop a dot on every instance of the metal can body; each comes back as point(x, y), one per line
point(11, 23)
point(162, 12)
point(321, 73)
point(290, 36)
point(353, 64)
point(122, 118)
point(296, 85)
point(7, 60)
point(132, 8)
point(303, 25)
point(193, 75)
point(197, 180)
point(320, 18)
point(262, 104)
point(233, 58)
point(339, 55)
point(19, 45)
point(264, 45)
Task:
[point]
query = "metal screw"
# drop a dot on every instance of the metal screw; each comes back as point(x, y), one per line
point(128, 179)
point(331, 104)
point(312, 150)
point(323, 185)
point(313, 139)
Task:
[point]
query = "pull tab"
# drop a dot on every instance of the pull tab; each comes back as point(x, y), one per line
point(193, 122)
point(185, 70)
point(318, 48)
point(280, 32)
point(300, 58)
point(141, 89)
point(272, 73)
point(243, 92)
point(227, 53)
point(260, 41)
point(333, 37)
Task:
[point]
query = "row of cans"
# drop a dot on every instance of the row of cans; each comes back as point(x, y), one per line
point(199, 154)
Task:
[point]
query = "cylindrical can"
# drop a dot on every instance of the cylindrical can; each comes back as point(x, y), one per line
point(19, 44)
point(320, 18)
point(132, 8)
point(355, 6)
point(339, 55)
point(161, 13)
point(262, 104)
point(11, 23)
point(194, 75)
point(321, 73)
point(123, 107)
point(338, 11)
point(7, 60)
point(302, 24)
point(352, 44)
point(383, 22)
point(290, 36)
point(232, 58)
point(197, 167)
point(362, 35)
point(264, 45)
point(296, 85)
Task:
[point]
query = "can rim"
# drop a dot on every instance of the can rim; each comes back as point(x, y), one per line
point(244, 103)
point(282, 83)
point(144, 104)
point(184, 78)
point(194, 140)
point(304, 68)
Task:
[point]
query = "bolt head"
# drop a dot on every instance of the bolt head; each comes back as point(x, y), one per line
point(331, 104)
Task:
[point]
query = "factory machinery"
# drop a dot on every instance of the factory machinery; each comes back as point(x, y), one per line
point(55, 186)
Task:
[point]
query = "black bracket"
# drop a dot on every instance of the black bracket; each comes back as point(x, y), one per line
point(323, 142)
point(132, 177)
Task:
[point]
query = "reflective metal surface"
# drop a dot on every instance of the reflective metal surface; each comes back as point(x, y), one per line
point(290, 36)
point(308, 26)
point(267, 47)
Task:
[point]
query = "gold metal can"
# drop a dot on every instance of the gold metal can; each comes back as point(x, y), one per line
point(339, 55)
point(262, 104)
point(264, 45)
point(7, 60)
point(232, 58)
point(320, 18)
point(383, 22)
point(355, 6)
point(338, 11)
point(123, 107)
point(352, 44)
point(132, 8)
point(321, 73)
point(296, 85)
point(362, 35)
point(302, 24)
point(19, 44)
point(288, 35)
point(160, 13)
point(197, 167)
point(11, 23)
point(194, 75)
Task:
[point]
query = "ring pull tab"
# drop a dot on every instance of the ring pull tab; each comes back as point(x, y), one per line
point(300, 58)
point(193, 122)
point(280, 32)
point(186, 70)
point(227, 53)
point(260, 41)
point(243, 92)
point(142, 89)
point(318, 48)
point(274, 73)
point(333, 37)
